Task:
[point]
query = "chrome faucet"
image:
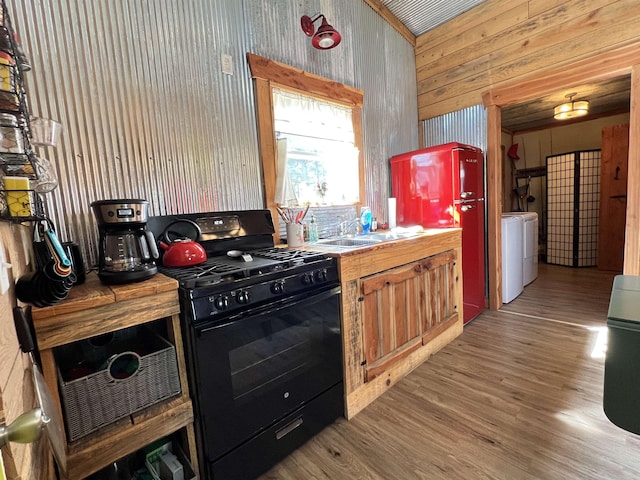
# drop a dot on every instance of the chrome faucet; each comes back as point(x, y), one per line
point(345, 226)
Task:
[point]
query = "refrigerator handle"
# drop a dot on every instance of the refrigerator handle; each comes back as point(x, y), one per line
point(465, 208)
point(466, 194)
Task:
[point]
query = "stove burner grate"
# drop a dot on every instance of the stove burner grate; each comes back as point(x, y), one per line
point(208, 273)
point(284, 254)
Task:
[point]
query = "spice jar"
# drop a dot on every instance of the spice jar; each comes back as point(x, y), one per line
point(5, 40)
point(8, 89)
point(11, 140)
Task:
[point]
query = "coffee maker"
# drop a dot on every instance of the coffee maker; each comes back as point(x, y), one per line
point(127, 251)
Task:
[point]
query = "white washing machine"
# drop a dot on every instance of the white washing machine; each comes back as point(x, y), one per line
point(529, 246)
point(512, 255)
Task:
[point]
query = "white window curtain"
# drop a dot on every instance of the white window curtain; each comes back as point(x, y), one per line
point(317, 162)
point(301, 115)
point(285, 194)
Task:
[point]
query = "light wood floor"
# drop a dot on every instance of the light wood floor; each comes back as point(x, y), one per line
point(517, 396)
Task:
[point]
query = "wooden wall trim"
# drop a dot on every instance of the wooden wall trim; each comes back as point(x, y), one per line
point(632, 230)
point(459, 60)
point(356, 116)
point(494, 205)
point(381, 9)
point(600, 67)
point(266, 138)
point(298, 79)
point(539, 85)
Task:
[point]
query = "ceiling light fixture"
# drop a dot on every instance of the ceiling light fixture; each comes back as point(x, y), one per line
point(325, 38)
point(571, 109)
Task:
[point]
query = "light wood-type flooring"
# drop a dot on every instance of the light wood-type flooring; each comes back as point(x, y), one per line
point(517, 396)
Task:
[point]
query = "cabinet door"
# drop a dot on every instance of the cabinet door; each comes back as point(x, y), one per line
point(405, 308)
point(391, 308)
point(439, 284)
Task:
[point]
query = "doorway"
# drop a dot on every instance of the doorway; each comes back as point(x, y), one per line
point(596, 69)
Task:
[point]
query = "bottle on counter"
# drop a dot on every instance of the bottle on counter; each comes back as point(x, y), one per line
point(313, 229)
point(365, 219)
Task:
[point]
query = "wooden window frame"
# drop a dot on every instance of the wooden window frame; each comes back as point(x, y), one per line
point(268, 74)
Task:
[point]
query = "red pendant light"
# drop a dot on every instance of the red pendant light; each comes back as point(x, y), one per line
point(325, 38)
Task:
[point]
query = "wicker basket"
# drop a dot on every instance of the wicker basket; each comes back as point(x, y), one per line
point(136, 371)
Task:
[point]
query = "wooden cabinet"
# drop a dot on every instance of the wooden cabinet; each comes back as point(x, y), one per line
point(613, 197)
point(94, 309)
point(404, 308)
point(401, 302)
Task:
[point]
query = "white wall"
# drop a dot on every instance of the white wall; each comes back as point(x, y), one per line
point(535, 146)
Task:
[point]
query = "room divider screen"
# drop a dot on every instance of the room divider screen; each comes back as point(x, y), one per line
point(573, 208)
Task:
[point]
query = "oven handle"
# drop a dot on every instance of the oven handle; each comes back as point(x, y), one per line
point(264, 309)
point(286, 430)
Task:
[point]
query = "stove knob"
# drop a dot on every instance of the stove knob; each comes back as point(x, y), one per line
point(307, 278)
point(277, 287)
point(321, 275)
point(221, 302)
point(242, 297)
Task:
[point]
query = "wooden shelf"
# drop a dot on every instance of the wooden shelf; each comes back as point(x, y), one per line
point(89, 454)
point(93, 309)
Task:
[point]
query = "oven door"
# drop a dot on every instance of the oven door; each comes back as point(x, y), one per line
point(255, 367)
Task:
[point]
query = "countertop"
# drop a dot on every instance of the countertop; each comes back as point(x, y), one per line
point(342, 251)
point(359, 261)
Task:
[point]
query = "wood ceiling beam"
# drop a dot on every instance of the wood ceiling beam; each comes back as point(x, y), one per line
point(392, 20)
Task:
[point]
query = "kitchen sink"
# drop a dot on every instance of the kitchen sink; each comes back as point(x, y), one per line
point(364, 240)
point(349, 241)
point(388, 236)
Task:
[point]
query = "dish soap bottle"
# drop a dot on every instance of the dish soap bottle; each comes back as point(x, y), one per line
point(365, 219)
point(313, 229)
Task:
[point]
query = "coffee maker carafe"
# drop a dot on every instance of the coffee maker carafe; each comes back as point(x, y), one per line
point(127, 250)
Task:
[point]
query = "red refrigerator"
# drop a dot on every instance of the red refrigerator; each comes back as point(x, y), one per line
point(443, 186)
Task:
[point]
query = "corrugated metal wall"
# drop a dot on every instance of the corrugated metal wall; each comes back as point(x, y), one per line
point(148, 113)
point(467, 126)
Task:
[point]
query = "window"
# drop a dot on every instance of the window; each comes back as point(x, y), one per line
point(317, 157)
point(302, 163)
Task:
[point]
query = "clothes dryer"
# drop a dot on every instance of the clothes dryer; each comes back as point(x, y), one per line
point(529, 245)
point(512, 248)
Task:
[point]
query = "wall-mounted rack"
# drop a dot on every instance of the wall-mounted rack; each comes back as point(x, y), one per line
point(17, 158)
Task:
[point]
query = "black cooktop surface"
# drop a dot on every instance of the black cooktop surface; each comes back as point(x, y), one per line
point(241, 266)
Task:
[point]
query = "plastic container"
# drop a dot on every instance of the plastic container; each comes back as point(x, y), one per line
point(621, 393)
point(45, 132)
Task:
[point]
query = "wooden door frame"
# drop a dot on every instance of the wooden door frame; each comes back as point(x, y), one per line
point(615, 63)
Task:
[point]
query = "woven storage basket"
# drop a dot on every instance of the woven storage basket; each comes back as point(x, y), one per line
point(97, 399)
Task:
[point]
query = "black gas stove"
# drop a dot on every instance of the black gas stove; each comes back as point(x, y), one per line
point(238, 274)
point(222, 286)
point(262, 340)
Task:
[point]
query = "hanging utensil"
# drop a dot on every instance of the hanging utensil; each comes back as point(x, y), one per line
point(60, 265)
point(53, 276)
